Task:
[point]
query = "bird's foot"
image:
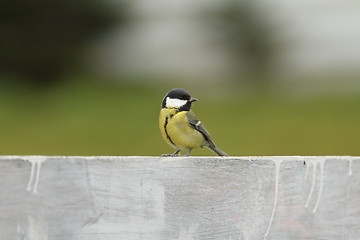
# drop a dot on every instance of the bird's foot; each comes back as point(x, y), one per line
point(175, 154)
point(168, 155)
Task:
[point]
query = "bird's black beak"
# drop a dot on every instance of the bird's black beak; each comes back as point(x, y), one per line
point(193, 100)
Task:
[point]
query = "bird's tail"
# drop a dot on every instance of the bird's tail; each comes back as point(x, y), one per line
point(217, 150)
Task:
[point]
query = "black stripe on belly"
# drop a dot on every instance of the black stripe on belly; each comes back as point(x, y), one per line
point(165, 125)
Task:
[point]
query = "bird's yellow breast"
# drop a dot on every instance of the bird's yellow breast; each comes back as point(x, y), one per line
point(177, 131)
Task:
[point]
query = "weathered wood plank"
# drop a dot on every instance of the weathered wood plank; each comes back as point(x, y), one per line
point(107, 198)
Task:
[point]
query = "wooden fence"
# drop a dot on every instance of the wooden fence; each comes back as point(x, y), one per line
point(103, 198)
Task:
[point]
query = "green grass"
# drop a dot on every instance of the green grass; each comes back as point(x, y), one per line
point(107, 119)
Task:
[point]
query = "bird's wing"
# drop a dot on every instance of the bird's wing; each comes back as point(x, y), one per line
point(197, 125)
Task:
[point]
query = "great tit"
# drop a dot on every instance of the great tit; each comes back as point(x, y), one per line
point(179, 126)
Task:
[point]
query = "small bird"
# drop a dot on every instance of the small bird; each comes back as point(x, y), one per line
point(179, 126)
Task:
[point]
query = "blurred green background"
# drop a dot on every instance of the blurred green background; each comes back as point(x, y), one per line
point(88, 77)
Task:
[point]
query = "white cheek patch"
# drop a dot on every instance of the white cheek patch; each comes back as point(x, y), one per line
point(174, 102)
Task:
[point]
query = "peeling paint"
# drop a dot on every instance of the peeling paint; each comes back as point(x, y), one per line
point(35, 162)
point(315, 163)
point(350, 166)
point(277, 174)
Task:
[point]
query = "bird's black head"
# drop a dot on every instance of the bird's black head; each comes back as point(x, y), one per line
point(178, 98)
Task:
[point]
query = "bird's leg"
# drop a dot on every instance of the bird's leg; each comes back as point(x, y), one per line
point(176, 153)
point(188, 153)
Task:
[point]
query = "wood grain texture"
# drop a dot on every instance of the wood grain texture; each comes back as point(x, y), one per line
point(103, 198)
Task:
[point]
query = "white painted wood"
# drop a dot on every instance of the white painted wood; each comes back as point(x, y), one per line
point(103, 198)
